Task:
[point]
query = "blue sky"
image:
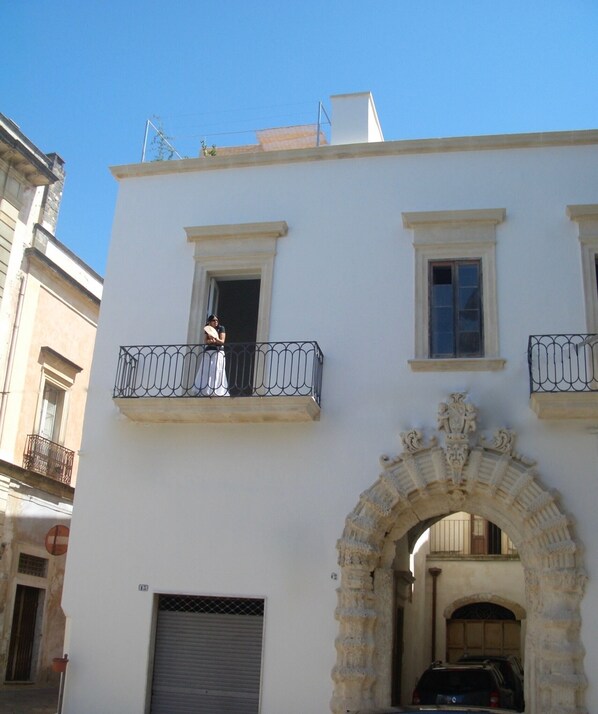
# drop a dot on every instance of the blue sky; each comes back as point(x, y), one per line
point(80, 77)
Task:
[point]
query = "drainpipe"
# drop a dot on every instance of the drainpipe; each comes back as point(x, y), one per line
point(434, 572)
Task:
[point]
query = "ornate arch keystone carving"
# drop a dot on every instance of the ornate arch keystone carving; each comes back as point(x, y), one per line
point(428, 479)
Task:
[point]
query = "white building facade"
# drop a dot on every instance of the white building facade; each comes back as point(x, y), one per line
point(379, 298)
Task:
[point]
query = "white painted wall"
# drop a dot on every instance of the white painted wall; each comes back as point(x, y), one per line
point(256, 509)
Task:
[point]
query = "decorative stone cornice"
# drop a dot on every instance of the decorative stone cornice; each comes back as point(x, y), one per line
point(413, 219)
point(360, 151)
point(267, 229)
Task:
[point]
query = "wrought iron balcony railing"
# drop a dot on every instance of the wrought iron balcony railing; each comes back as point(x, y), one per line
point(48, 458)
point(462, 537)
point(563, 363)
point(262, 369)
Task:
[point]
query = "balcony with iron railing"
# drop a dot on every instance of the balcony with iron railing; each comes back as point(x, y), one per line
point(465, 538)
point(265, 382)
point(563, 375)
point(48, 458)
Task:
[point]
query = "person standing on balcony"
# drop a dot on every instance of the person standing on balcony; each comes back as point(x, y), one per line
point(210, 380)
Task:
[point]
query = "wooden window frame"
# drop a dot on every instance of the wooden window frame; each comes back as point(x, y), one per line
point(454, 264)
point(452, 236)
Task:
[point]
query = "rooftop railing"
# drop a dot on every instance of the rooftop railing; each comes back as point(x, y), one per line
point(262, 369)
point(48, 458)
point(563, 363)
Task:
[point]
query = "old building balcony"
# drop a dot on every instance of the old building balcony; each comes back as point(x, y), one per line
point(469, 538)
point(563, 373)
point(48, 458)
point(243, 382)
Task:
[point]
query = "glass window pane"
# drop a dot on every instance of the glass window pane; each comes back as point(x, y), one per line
point(443, 344)
point(469, 328)
point(51, 412)
point(442, 274)
point(442, 295)
point(469, 321)
point(442, 319)
point(456, 309)
point(470, 344)
point(469, 298)
point(469, 274)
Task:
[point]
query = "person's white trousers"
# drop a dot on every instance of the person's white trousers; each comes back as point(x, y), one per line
point(210, 380)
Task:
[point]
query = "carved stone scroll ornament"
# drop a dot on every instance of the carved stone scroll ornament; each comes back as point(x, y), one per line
point(503, 441)
point(412, 441)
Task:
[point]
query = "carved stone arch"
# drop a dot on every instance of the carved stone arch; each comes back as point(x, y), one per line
point(426, 480)
point(514, 607)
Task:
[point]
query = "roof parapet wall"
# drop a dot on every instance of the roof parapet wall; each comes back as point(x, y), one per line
point(498, 142)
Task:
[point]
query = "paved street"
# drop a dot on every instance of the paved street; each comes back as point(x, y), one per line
point(24, 700)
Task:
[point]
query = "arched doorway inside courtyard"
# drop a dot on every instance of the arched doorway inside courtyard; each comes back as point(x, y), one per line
point(424, 483)
point(482, 628)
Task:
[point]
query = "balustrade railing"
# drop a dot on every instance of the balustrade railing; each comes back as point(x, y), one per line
point(48, 458)
point(262, 369)
point(462, 537)
point(563, 363)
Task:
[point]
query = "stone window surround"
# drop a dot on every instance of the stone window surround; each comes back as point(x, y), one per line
point(237, 250)
point(586, 217)
point(454, 235)
point(60, 372)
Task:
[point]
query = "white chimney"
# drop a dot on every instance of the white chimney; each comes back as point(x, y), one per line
point(354, 119)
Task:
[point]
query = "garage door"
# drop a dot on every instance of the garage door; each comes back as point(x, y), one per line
point(479, 637)
point(208, 655)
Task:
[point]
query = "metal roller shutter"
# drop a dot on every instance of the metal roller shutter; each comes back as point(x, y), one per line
point(208, 655)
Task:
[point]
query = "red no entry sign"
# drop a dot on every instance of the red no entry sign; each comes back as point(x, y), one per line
point(57, 540)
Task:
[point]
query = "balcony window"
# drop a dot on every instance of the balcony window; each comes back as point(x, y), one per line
point(51, 411)
point(234, 270)
point(44, 452)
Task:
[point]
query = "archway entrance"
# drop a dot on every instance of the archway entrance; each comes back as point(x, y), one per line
point(422, 484)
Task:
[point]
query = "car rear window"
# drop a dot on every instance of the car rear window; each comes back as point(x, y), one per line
point(450, 680)
point(505, 668)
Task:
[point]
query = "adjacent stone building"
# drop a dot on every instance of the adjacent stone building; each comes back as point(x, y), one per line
point(49, 306)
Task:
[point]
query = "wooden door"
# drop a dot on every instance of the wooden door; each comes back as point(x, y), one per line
point(482, 637)
point(22, 634)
